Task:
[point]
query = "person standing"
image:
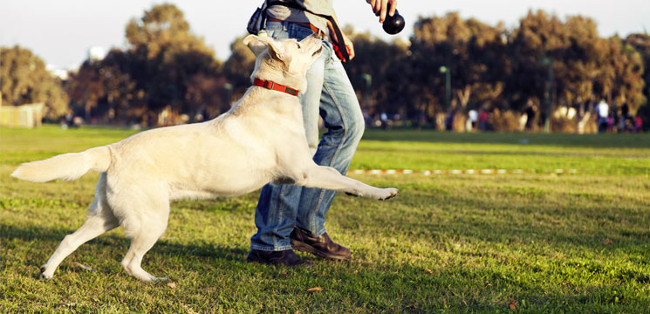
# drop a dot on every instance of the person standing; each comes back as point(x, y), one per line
point(287, 216)
point(473, 118)
point(482, 119)
point(603, 115)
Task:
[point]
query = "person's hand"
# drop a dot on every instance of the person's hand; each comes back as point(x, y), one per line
point(380, 8)
point(349, 46)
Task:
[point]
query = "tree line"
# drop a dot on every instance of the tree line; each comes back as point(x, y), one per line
point(449, 65)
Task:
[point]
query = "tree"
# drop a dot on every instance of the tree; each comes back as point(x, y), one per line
point(377, 74)
point(164, 67)
point(628, 72)
point(105, 89)
point(166, 58)
point(239, 66)
point(641, 43)
point(472, 51)
point(586, 67)
point(86, 88)
point(538, 37)
point(121, 95)
point(24, 80)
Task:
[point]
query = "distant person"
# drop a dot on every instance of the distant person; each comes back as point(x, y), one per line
point(449, 122)
point(625, 119)
point(638, 124)
point(625, 111)
point(473, 118)
point(530, 113)
point(63, 123)
point(384, 120)
point(482, 120)
point(68, 119)
point(610, 122)
point(77, 121)
point(603, 116)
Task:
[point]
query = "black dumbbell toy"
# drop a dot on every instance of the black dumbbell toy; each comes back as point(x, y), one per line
point(393, 24)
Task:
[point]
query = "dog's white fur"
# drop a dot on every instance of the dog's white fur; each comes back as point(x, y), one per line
point(261, 139)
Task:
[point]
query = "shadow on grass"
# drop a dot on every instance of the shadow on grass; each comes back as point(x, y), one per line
point(361, 284)
point(51, 237)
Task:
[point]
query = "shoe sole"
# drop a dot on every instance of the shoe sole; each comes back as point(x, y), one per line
point(299, 246)
point(263, 262)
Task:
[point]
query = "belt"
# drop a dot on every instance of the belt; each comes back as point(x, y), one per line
point(315, 29)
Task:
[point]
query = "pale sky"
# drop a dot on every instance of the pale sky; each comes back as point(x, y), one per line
point(61, 31)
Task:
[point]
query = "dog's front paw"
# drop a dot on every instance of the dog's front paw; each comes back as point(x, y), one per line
point(388, 193)
point(45, 274)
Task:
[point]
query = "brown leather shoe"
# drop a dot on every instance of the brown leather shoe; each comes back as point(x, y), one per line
point(286, 258)
point(321, 246)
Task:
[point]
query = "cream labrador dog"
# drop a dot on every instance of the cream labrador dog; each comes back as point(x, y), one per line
point(260, 140)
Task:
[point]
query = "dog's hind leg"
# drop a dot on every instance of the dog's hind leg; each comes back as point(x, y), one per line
point(143, 234)
point(100, 219)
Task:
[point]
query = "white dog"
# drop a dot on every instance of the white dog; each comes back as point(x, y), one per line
point(260, 140)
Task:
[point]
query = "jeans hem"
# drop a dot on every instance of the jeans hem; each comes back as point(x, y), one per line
point(314, 234)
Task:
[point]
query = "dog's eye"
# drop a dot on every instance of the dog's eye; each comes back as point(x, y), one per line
point(298, 44)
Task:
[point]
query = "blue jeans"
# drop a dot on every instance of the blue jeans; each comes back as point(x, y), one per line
point(329, 94)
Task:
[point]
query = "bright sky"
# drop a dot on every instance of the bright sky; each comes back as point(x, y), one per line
point(61, 31)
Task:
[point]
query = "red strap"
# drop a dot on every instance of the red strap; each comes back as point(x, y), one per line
point(275, 86)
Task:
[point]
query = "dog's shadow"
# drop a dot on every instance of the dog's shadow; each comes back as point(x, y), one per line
point(12, 236)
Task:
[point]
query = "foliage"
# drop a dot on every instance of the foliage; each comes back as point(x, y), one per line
point(239, 66)
point(534, 242)
point(493, 68)
point(25, 80)
point(377, 73)
point(641, 44)
point(168, 58)
point(544, 63)
point(472, 51)
point(104, 82)
point(165, 67)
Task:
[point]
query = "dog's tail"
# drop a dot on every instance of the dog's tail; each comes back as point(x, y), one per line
point(65, 167)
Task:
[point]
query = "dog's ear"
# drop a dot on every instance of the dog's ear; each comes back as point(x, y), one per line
point(254, 43)
point(257, 44)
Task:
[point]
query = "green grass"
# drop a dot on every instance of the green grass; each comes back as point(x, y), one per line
point(536, 242)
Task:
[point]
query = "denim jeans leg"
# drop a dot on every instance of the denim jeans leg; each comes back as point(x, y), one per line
point(341, 113)
point(275, 215)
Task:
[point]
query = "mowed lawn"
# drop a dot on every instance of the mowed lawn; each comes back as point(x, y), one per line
point(533, 242)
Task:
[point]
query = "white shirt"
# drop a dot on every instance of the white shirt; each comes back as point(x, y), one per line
point(603, 109)
point(473, 115)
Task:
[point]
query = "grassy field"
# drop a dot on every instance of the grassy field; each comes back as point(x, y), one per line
point(533, 242)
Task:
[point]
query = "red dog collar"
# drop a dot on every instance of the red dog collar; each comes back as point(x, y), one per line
point(275, 86)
